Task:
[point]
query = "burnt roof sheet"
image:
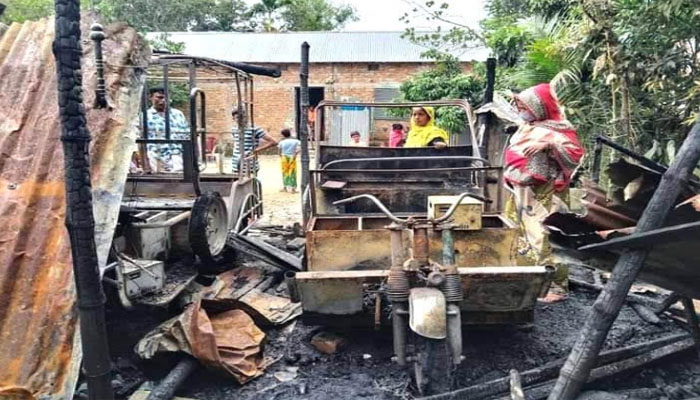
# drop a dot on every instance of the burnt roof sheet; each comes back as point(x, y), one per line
point(39, 348)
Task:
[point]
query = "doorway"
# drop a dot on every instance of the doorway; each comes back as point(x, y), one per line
point(316, 94)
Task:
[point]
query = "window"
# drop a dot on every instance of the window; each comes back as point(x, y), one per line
point(372, 67)
point(384, 95)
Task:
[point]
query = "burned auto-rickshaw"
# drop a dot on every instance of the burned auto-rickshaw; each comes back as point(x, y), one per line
point(413, 238)
point(175, 215)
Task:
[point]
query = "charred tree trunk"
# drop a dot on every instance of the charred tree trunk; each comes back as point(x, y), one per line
point(79, 218)
point(606, 308)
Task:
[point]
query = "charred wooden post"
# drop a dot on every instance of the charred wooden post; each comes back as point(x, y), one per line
point(304, 124)
point(535, 376)
point(97, 35)
point(606, 308)
point(692, 318)
point(670, 300)
point(597, 160)
point(80, 221)
point(167, 387)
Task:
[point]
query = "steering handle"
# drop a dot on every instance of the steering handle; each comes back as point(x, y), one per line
point(396, 219)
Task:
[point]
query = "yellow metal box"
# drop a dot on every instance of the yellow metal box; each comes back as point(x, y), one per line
point(467, 215)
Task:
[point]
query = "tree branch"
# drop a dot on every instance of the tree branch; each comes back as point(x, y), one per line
point(439, 17)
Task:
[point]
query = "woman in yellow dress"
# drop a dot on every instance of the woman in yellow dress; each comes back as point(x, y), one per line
point(423, 132)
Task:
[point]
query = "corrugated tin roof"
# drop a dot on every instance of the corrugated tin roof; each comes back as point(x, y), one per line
point(39, 350)
point(326, 47)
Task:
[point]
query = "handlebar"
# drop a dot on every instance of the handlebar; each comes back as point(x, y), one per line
point(398, 220)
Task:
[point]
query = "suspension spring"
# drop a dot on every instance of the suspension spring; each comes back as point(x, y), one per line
point(398, 286)
point(452, 288)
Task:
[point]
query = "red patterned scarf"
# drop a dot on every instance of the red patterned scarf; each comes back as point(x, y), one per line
point(564, 154)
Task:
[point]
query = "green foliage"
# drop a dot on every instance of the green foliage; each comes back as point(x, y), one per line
point(163, 42)
point(445, 81)
point(300, 15)
point(316, 15)
point(506, 38)
point(176, 15)
point(23, 10)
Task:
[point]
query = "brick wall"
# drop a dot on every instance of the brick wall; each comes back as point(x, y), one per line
point(275, 97)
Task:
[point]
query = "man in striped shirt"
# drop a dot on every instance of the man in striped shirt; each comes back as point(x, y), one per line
point(251, 143)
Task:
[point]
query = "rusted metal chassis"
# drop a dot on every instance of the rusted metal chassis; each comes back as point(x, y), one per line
point(492, 295)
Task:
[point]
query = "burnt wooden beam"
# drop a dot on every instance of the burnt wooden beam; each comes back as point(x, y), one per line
point(653, 237)
point(166, 389)
point(79, 219)
point(531, 377)
point(583, 356)
point(692, 318)
point(541, 391)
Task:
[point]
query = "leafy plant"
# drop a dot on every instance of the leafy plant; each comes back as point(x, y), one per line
point(445, 81)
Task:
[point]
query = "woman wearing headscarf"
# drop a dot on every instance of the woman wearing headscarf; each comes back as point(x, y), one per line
point(423, 132)
point(539, 162)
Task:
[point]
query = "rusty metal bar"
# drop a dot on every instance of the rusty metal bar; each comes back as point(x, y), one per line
point(165, 224)
point(166, 92)
point(416, 158)
point(303, 122)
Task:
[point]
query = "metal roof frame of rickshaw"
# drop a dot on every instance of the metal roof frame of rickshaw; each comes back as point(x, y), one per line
point(434, 103)
point(192, 62)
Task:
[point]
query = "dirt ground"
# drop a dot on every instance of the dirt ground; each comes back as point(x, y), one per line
point(280, 208)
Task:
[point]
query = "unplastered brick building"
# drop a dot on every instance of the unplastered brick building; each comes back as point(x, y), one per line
point(354, 66)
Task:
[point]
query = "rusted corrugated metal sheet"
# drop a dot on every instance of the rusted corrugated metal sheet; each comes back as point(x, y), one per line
point(671, 264)
point(39, 350)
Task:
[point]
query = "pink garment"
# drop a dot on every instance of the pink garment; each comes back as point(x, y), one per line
point(395, 138)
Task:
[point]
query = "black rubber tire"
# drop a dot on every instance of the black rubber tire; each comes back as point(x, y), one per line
point(207, 209)
point(433, 369)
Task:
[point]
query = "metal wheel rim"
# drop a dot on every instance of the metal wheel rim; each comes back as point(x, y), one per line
point(216, 230)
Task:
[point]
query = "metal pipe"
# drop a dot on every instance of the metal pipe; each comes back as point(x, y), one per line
point(143, 147)
point(303, 121)
point(421, 246)
point(241, 121)
point(194, 123)
point(454, 332)
point(448, 248)
point(165, 224)
point(97, 35)
point(414, 158)
point(166, 91)
point(290, 278)
point(399, 323)
point(397, 257)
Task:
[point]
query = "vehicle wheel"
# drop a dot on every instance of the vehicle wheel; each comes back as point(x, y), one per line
point(433, 367)
point(208, 232)
point(250, 205)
